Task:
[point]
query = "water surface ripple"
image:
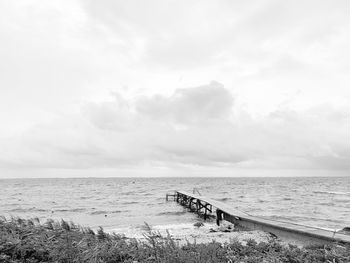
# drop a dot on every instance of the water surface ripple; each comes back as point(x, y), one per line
point(121, 202)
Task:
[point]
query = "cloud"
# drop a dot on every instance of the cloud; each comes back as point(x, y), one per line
point(192, 127)
point(112, 115)
point(68, 51)
point(207, 102)
point(60, 61)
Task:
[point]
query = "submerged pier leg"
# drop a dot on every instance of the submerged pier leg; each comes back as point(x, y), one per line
point(219, 217)
point(190, 203)
point(206, 209)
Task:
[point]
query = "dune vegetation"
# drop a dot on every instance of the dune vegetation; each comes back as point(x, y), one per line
point(23, 240)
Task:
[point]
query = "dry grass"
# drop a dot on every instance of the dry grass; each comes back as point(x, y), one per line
point(31, 241)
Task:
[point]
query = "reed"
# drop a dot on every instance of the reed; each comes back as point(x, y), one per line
point(29, 240)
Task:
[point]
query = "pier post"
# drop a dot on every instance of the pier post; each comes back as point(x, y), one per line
point(219, 215)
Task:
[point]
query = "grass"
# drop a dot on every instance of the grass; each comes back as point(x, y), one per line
point(30, 241)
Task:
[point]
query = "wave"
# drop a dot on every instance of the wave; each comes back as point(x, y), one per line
point(224, 199)
point(331, 192)
point(101, 212)
point(341, 200)
point(302, 219)
point(23, 210)
point(129, 193)
point(130, 203)
point(70, 210)
point(170, 213)
point(327, 203)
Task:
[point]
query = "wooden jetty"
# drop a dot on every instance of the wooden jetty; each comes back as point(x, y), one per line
point(289, 232)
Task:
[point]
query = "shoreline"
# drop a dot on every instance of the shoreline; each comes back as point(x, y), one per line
point(198, 233)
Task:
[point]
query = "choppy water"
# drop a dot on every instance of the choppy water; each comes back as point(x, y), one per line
point(123, 202)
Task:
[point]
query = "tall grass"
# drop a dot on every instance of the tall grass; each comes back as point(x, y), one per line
point(30, 241)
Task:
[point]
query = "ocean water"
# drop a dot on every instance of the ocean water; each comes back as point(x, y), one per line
point(121, 203)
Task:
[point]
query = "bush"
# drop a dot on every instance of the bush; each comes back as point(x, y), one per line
point(30, 241)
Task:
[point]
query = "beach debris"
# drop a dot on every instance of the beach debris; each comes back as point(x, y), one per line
point(226, 227)
point(345, 230)
point(198, 224)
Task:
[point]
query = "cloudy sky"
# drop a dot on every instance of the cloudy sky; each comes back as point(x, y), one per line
point(180, 88)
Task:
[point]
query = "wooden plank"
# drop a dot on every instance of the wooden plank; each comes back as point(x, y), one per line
point(306, 234)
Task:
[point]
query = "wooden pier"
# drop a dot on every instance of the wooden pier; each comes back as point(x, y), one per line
point(289, 232)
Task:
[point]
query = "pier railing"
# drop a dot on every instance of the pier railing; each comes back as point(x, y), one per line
point(290, 232)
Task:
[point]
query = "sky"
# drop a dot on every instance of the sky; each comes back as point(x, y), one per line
point(174, 88)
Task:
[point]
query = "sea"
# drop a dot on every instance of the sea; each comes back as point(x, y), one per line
point(119, 204)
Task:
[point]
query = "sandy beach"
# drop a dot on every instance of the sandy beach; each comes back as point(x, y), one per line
point(199, 233)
